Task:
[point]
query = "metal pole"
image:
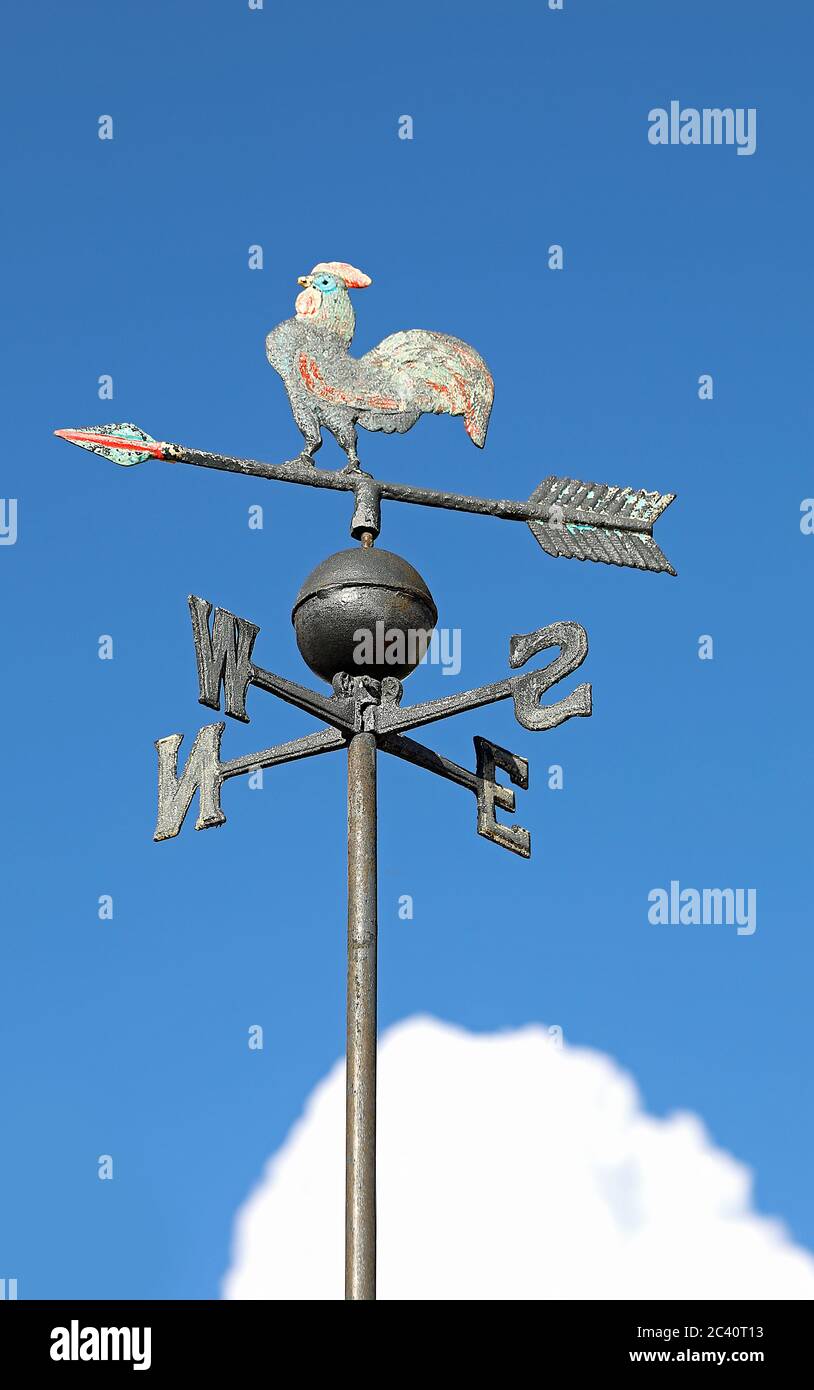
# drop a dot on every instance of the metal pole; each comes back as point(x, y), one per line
point(360, 1113)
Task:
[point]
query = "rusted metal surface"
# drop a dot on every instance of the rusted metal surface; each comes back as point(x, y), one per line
point(356, 608)
point(223, 656)
point(360, 1084)
point(367, 510)
point(490, 793)
point(578, 521)
point(204, 773)
point(526, 690)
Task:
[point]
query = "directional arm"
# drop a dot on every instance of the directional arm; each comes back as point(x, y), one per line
point(393, 719)
point(223, 654)
point(343, 714)
point(325, 741)
point(525, 690)
point(488, 791)
point(205, 774)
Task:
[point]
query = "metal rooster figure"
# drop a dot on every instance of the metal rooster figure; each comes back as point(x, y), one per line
point(366, 589)
point(408, 375)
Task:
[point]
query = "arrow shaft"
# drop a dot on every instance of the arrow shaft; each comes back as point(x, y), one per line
point(297, 471)
point(503, 508)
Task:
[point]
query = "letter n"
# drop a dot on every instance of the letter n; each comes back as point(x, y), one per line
point(223, 656)
point(202, 773)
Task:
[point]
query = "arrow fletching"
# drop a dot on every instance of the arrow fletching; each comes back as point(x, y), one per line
point(597, 521)
point(122, 444)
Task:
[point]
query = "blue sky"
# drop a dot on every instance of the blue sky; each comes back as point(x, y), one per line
point(129, 257)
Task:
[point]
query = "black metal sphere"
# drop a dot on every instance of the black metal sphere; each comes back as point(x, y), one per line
point(370, 592)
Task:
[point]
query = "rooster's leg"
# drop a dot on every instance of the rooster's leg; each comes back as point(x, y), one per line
point(311, 446)
point(310, 431)
point(346, 438)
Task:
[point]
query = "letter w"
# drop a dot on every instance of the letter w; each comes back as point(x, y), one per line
point(224, 657)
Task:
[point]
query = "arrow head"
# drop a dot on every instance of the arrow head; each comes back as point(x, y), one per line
point(123, 444)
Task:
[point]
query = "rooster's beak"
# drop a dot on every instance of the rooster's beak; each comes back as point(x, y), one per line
point(304, 280)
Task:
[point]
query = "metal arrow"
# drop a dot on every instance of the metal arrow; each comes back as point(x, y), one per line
point(570, 519)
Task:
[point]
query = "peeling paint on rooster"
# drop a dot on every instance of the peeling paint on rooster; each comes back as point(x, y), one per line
point(409, 374)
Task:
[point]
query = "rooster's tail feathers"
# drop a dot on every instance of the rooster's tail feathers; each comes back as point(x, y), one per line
point(438, 375)
point(479, 407)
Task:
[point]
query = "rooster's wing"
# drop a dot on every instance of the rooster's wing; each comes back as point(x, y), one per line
point(409, 374)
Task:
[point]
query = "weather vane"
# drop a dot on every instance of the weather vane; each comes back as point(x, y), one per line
point(362, 591)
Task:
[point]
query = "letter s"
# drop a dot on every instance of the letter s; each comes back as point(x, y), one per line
point(572, 639)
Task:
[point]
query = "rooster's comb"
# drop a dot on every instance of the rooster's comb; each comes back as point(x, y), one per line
point(354, 279)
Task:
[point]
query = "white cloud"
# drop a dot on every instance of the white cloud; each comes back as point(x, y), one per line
point(509, 1169)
